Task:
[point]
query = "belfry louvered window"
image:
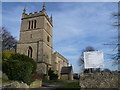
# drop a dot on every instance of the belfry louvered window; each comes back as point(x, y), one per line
point(29, 25)
point(32, 24)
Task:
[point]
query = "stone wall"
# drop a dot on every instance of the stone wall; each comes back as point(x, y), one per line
point(58, 61)
point(64, 77)
point(99, 80)
point(16, 84)
point(36, 32)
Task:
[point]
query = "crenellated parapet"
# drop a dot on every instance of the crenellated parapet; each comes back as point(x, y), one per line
point(37, 14)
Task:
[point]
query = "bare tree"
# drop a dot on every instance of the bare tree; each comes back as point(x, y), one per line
point(116, 56)
point(116, 43)
point(8, 41)
point(81, 60)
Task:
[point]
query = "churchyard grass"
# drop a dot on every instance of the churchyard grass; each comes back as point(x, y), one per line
point(55, 81)
point(70, 85)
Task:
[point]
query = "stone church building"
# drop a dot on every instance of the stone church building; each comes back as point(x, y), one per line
point(36, 42)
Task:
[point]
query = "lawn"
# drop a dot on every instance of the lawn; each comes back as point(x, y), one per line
point(73, 86)
point(55, 81)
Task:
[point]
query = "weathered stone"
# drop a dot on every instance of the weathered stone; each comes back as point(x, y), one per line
point(99, 80)
point(36, 84)
point(36, 42)
point(18, 85)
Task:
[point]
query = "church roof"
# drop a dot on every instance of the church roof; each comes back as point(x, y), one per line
point(66, 70)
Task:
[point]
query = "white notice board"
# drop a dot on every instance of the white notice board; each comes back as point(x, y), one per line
point(93, 59)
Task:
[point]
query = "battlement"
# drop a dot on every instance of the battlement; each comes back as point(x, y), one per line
point(25, 15)
point(37, 14)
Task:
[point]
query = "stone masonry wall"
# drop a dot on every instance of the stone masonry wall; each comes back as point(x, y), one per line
point(100, 80)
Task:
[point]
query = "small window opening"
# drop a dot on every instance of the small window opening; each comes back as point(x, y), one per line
point(30, 35)
point(48, 39)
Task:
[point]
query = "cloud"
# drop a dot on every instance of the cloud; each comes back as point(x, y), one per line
point(76, 25)
point(81, 21)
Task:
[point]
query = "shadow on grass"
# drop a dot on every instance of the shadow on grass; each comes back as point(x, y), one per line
point(70, 86)
point(55, 81)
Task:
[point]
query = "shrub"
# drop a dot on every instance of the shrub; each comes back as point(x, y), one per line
point(22, 57)
point(4, 78)
point(19, 67)
point(106, 70)
point(37, 76)
point(18, 70)
point(6, 54)
point(52, 75)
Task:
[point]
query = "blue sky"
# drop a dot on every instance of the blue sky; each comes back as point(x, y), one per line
point(76, 25)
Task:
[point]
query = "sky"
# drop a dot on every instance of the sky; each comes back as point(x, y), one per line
point(76, 25)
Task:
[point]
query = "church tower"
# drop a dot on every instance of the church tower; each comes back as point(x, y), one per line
point(36, 38)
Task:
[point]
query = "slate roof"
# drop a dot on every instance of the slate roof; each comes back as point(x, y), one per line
point(66, 70)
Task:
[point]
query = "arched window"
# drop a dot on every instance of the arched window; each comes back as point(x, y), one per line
point(29, 25)
point(35, 24)
point(30, 52)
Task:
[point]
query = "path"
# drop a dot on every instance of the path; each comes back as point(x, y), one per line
point(48, 86)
